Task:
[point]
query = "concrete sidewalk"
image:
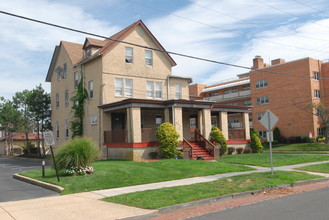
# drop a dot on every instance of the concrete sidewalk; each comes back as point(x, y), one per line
point(89, 206)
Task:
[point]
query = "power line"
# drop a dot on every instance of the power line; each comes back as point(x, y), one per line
point(150, 48)
point(308, 6)
point(202, 23)
point(288, 13)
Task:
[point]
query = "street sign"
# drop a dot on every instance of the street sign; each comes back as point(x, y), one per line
point(49, 138)
point(268, 120)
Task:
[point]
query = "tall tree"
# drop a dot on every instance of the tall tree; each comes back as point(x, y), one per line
point(10, 121)
point(322, 112)
point(20, 101)
point(39, 106)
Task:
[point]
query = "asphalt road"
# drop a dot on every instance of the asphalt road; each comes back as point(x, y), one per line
point(313, 205)
point(12, 189)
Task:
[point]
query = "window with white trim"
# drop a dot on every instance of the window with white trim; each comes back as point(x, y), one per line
point(57, 100)
point(263, 134)
point(129, 57)
point(262, 100)
point(260, 115)
point(246, 88)
point(247, 102)
point(150, 89)
point(67, 129)
point(261, 84)
point(76, 79)
point(128, 88)
point(317, 94)
point(91, 89)
point(232, 90)
point(66, 98)
point(316, 75)
point(118, 87)
point(148, 57)
point(178, 91)
point(93, 119)
point(158, 119)
point(158, 90)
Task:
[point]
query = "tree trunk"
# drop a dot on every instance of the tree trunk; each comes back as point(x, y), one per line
point(43, 141)
point(38, 142)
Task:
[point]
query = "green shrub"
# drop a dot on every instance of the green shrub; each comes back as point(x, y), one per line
point(217, 135)
point(305, 139)
point(277, 135)
point(246, 151)
point(313, 139)
point(79, 152)
point(32, 147)
point(255, 144)
point(230, 150)
point(239, 150)
point(167, 136)
point(322, 139)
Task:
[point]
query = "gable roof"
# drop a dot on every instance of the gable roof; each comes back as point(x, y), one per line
point(94, 42)
point(111, 42)
point(74, 52)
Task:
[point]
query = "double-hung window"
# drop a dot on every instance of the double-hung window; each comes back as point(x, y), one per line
point(128, 88)
point(67, 129)
point(57, 100)
point(148, 58)
point(158, 90)
point(123, 87)
point(66, 98)
point(129, 55)
point(261, 84)
point(150, 89)
point(91, 89)
point(262, 100)
point(317, 94)
point(178, 91)
point(316, 75)
point(76, 79)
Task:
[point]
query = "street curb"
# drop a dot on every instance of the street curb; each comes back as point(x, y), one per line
point(38, 183)
point(235, 195)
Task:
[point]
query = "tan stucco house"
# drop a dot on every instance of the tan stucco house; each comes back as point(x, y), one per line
point(131, 92)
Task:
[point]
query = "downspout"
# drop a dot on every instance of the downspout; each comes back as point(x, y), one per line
point(168, 84)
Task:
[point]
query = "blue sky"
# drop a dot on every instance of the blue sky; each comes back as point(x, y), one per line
point(231, 31)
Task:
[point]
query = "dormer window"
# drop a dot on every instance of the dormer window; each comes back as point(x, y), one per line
point(88, 52)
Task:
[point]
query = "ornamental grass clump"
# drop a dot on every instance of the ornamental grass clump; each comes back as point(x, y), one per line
point(78, 153)
point(168, 138)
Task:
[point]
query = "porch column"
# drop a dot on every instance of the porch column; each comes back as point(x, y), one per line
point(224, 124)
point(200, 121)
point(246, 125)
point(178, 122)
point(206, 122)
point(135, 125)
point(166, 115)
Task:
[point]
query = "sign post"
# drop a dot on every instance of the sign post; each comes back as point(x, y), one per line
point(268, 120)
point(49, 141)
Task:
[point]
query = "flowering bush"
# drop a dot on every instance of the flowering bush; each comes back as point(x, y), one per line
point(79, 171)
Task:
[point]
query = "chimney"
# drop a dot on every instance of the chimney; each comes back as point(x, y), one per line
point(277, 61)
point(258, 62)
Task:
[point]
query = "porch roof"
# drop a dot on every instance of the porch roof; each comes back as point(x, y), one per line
point(151, 103)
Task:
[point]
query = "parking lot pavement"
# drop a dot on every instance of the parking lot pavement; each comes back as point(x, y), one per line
point(12, 189)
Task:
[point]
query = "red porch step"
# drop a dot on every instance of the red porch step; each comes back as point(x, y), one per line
point(199, 151)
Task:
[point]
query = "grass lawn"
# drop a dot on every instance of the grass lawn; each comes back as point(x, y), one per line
point(320, 168)
point(113, 174)
point(154, 199)
point(301, 148)
point(263, 159)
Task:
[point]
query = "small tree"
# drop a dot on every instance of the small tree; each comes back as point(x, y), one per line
point(277, 134)
point(322, 112)
point(167, 136)
point(217, 135)
point(255, 143)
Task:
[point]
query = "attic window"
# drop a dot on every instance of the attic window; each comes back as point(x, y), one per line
point(129, 55)
point(88, 52)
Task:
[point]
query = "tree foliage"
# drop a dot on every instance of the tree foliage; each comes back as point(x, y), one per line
point(255, 143)
point(322, 112)
point(277, 134)
point(168, 138)
point(217, 135)
point(78, 109)
point(10, 121)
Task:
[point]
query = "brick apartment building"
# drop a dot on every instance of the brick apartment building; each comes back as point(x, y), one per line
point(286, 88)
